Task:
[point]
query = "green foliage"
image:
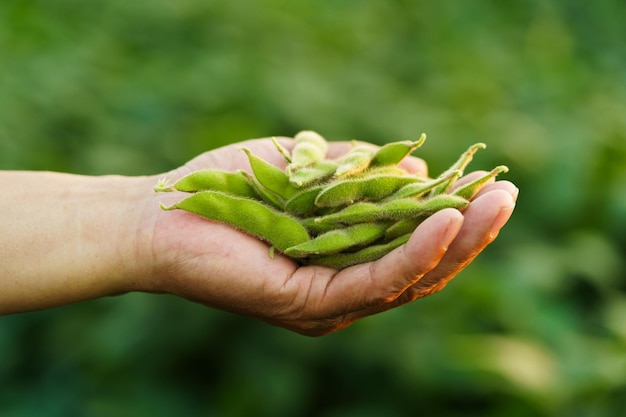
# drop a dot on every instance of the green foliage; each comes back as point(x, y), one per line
point(534, 327)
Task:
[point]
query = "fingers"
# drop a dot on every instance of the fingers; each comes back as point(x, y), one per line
point(362, 289)
point(489, 186)
point(484, 218)
point(504, 185)
point(425, 265)
point(420, 254)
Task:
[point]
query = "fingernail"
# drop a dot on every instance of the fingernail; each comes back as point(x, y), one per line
point(501, 218)
point(515, 193)
point(452, 230)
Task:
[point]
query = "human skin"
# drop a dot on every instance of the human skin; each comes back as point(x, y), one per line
point(67, 238)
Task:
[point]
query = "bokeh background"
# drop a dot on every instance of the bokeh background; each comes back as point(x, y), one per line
point(536, 326)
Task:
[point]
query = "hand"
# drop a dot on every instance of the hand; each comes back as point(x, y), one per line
point(213, 264)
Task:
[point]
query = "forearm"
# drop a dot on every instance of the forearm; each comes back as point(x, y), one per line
point(66, 238)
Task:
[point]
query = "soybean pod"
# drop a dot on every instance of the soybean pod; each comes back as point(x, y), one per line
point(392, 210)
point(338, 240)
point(402, 227)
point(371, 187)
point(309, 148)
point(314, 174)
point(264, 194)
point(418, 189)
point(355, 161)
point(393, 153)
point(368, 254)
point(460, 165)
point(270, 176)
point(249, 216)
point(303, 203)
point(212, 179)
point(469, 190)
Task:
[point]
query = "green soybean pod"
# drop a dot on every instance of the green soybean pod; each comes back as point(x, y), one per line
point(250, 216)
point(387, 170)
point(368, 254)
point(317, 227)
point(392, 210)
point(314, 174)
point(460, 165)
point(263, 193)
point(370, 187)
point(421, 208)
point(309, 148)
point(361, 212)
point(394, 152)
point(469, 190)
point(213, 179)
point(303, 203)
point(402, 227)
point(270, 176)
point(338, 240)
point(355, 161)
point(418, 189)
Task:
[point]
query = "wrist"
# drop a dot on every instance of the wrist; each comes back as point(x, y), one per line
point(68, 238)
point(125, 226)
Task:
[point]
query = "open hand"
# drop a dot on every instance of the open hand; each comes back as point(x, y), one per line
point(216, 265)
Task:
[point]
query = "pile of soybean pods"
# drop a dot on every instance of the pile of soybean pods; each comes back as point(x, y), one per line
point(331, 212)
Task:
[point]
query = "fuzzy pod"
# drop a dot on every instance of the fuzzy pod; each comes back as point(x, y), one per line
point(461, 163)
point(367, 254)
point(338, 240)
point(314, 174)
point(402, 227)
point(394, 152)
point(468, 191)
point(419, 189)
point(250, 216)
point(391, 210)
point(303, 203)
point(264, 194)
point(309, 148)
point(355, 161)
point(212, 179)
point(270, 176)
point(367, 188)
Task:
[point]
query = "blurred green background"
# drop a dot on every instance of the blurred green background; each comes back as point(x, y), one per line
point(536, 326)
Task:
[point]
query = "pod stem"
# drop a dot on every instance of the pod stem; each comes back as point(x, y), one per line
point(163, 186)
point(168, 208)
